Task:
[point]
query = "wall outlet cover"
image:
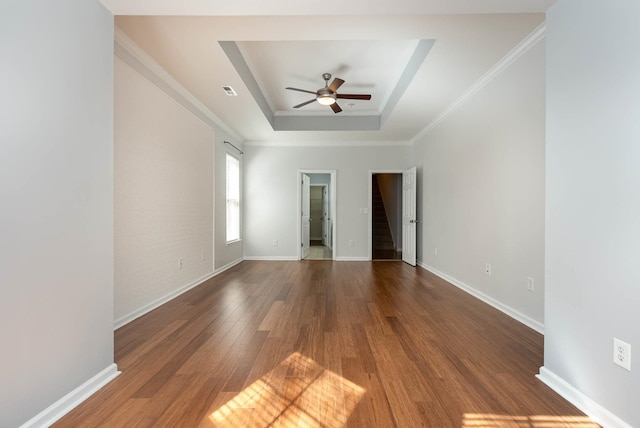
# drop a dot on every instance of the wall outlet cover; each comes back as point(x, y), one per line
point(622, 354)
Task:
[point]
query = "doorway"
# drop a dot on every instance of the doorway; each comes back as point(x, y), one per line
point(316, 226)
point(399, 190)
point(386, 216)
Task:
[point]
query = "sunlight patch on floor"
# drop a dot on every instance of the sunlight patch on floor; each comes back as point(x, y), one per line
point(297, 393)
point(476, 420)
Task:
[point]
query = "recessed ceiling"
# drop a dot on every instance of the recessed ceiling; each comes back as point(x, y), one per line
point(381, 69)
point(369, 51)
point(371, 66)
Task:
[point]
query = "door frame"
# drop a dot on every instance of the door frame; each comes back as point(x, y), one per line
point(333, 210)
point(372, 172)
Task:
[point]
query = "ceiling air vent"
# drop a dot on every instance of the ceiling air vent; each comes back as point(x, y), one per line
point(229, 90)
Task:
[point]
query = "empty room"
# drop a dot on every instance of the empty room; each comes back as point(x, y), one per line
point(319, 214)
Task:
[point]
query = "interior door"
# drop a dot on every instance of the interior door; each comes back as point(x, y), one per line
point(306, 212)
point(409, 216)
point(326, 236)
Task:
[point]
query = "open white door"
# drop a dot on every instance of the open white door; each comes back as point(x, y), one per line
point(409, 216)
point(326, 236)
point(306, 211)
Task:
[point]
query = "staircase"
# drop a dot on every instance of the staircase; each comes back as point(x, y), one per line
point(382, 240)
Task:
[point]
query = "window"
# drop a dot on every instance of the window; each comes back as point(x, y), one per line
point(233, 199)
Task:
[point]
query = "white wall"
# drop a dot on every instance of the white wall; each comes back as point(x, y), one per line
point(271, 199)
point(56, 214)
point(163, 194)
point(481, 190)
point(593, 203)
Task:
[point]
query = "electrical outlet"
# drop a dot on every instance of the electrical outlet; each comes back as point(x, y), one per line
point(179, 263)
point(435, 252)
point(487, 269)
point(530, 284)
point(275, 243)
point(351, 242)
point(622, 354)
point(202, 257)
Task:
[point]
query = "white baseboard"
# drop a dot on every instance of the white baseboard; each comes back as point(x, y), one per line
point(529, 322)
point(272, 258)
point(67, 403)
point(353, 259)
point(592, 409)
point(227, 267)
point(161, 301)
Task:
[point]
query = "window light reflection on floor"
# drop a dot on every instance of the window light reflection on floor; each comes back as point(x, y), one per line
point(297, 393)
point(476, 420)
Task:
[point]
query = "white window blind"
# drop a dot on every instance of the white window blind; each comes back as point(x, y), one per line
point(233, 198)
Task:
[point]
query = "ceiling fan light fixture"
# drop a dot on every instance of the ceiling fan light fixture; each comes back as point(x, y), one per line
point(326, 100)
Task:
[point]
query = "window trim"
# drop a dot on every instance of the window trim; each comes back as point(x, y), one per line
point(238, 201)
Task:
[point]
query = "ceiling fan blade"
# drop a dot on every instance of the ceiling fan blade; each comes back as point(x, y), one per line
point(304, 103)
point(354, 96)
point(337, 82)
point(336, 108)
point(301, 90)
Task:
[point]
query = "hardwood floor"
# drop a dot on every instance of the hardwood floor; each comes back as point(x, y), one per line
point(326, 344)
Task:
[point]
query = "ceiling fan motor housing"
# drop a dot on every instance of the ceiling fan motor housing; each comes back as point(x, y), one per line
point(325, 96)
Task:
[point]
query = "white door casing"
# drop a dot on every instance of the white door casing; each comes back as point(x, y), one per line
point(305, 214)
point(409, 219)
point(332, 208)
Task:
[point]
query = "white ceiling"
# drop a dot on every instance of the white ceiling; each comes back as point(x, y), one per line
point(327, 7)
point(292, 43)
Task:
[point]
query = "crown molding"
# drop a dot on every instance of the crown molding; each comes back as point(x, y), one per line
point(132, 54)
point(520, 49)
point(326, 143)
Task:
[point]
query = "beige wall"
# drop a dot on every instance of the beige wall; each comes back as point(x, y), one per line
point(163, 174)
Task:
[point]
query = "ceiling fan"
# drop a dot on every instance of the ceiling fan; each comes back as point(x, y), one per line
point(327, 96)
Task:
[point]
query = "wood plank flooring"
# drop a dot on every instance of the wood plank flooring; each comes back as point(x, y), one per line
point(326, 344)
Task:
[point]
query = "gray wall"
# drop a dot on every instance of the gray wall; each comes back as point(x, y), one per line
point(56, 215)
point(271, 195)
point(481, 191)
point(593, 203)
